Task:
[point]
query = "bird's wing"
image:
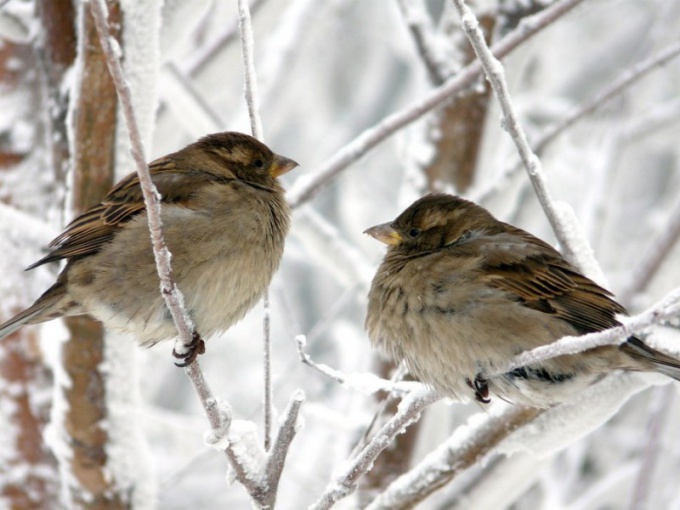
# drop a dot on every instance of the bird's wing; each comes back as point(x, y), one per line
point(86, 234)
point(543, 280)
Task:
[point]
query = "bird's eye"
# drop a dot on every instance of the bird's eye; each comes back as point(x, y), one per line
point(258, 163)
point(414, 232)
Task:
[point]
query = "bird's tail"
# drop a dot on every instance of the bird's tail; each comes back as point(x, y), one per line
point(46, 307)
point(662, 363)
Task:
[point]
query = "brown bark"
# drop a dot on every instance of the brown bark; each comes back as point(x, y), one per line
point(94, 127)
point(32, 480)
point(57, 52)
point(457, 129)
point(29, 472)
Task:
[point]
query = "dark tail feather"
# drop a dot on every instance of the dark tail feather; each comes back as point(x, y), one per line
point(662, 363)
point(45, 308)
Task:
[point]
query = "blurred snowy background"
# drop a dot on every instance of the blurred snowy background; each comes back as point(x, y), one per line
point(327, 71)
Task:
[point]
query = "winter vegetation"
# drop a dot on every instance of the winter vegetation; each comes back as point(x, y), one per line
point(560, 117)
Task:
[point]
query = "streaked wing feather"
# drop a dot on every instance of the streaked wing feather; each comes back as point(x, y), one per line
point(93, 229)
point(542, 280)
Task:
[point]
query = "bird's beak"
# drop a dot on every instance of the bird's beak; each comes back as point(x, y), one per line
point(385, 233)
point(281, 165)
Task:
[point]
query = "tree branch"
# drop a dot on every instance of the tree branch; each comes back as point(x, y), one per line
point(346, 482)
point(496, 76)
point(306, 188)
point(664, 310)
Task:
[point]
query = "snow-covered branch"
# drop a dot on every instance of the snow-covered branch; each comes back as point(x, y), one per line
point(612, 90)
point(346, 481)
point(496, 76)
point(365, 383)
point(171, 294)
point(253, 103)
point(306, 188)
point(666, 309)
point(424, 36)
point(466, 447)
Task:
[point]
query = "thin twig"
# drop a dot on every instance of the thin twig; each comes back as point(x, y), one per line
point(422, 31)
point(171, 294)
point(496, 76)
point(664, 310)
point(218, 415)
point(199, 59)
point(306, 188)
point(615, 89)
point(253, 102)
point(611, 91)
point(345, 483)
point(281, 443)
point(366, 383)
point(247, 49)
point(467, 447)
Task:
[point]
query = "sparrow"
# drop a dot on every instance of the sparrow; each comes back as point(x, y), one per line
point(225, 220)
point(460, 293)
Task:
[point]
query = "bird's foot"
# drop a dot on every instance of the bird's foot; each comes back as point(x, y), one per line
point(196, 347)
point(481, 387)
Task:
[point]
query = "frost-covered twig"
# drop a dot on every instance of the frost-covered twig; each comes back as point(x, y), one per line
point(247, 50)
point(199, 59)
point(365, 383)
point(346, 482)
point(306, 188)
point(612, 90)
point(422, 31)
point(171, 294)
point(496, 76)
point(258, 471)
point(466, 447)
point(253, 103)
point(281, 443)
point(664, 310)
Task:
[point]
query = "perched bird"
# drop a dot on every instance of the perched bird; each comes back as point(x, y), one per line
point(224, 219)
point(460, 293)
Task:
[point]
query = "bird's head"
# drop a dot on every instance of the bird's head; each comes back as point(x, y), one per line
point(433, 222)
point(240, 156)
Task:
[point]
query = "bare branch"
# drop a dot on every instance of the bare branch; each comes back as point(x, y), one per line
point(253, 102)
point(366, 383)
point(306, 188)
point(247, 49)
point(423, 33)
point(281, 443)
point(346, 482)
point(205, 55)
point(467, 447)
point(496, 75)
point(614, 89)
point(171, 294)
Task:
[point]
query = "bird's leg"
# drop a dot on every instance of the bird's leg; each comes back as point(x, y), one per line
point(481, 387)
point(196, 347)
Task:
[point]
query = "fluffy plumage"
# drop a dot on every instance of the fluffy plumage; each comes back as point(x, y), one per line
point(460, 293)
point(224, 217)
